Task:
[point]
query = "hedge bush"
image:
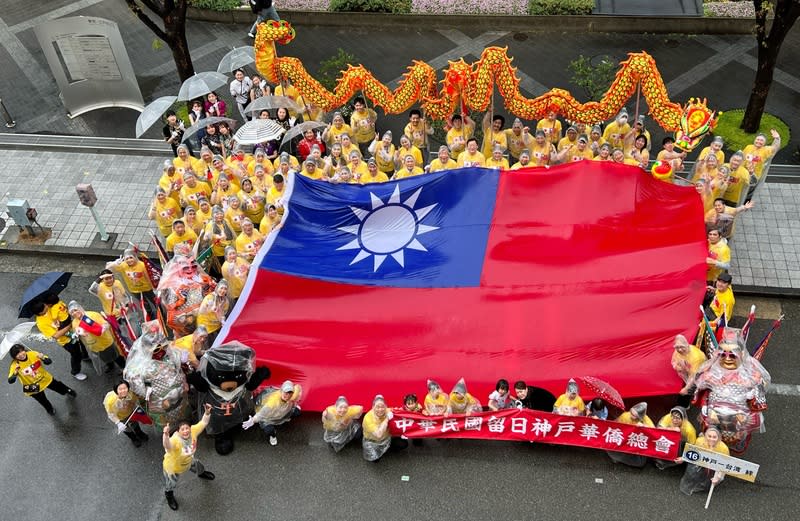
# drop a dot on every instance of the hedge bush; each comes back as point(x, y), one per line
point(216, 5)
point(736, 138)
point(560, 7)
point(372, 6)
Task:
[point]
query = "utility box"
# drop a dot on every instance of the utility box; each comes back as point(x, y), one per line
point(86, 194)
point(18, 210)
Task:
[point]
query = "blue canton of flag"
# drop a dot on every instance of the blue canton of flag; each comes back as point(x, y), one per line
point(426, 231)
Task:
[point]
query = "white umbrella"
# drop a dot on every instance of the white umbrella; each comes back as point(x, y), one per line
point(201, 84)
point(153, 113)
point(271, 102)
point(19, 332)
point(203, 123)
point(258, 131)
point(236, 59)
point(301, 129)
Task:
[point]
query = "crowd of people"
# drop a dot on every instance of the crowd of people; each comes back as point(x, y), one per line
point(218, 207)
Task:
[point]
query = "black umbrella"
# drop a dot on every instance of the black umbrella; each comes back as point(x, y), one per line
point(53, 282)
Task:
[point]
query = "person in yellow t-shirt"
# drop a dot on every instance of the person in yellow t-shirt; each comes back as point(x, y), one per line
point(179, 455)
point(461, 129)
point(406, 148)
point(180, 235)
point(714, 148)
point(362, 122)
point(192, 190)
point(261, 181)
point(570, 403)
point(471, 156)
point(578, 152)
point(234, 270)
point(719, 256)
point(260, 158)
point(335, 129)
point(194, 345)
point(436, 402)
point(524, 160)
point(234, 214)
point(120, 403)
point(494, 135)
point(723, 300)
point(214, 309)
point(686, 360)
point(443, 161)
point(54, 322)
point(340, 424)
point(164, 210)
point(291, 160)
point(137, 279)
point(204, 212)
point(722, 216)
point(409, 168)
point(637, 415)
point(27, 367)
point(252, 201)
point(543, 152)
point(248, 241)
point(738, 180)
point(276, 193)
point(357, 166)
point(184, 162)
point(676, 420)
point(604, 154)
point(570, 140)
point(551, 127)
point(111, 294)
point(700, 479)
point(383, 152)
point(461, 402)
point(276, 407)
point(377, 440)
point(418, 129)
point(758, 153)
point(219, 232)
point(171, 181)
point(373, 175)
point(497, 160)
point(518, 138)
point(615, 132)
point(310, 170)
point(271, 220)
point(596, 140)
point(95, 333)
point(223, 192)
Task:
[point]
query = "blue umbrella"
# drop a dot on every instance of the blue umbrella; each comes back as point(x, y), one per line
point(53, 282)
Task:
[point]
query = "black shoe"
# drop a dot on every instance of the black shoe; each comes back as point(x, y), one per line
point(171, 501)
point(142, 435)
point(51, 411)
point(206, 475)
point(71, 392)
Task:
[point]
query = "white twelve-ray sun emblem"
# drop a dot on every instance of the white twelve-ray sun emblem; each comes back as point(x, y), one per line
point(387, 229)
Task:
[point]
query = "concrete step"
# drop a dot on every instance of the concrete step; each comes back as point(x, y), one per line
point(101, 145)
point(649, 7)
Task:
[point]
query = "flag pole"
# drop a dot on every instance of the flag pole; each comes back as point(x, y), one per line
point(708, 328)
point(710, 491)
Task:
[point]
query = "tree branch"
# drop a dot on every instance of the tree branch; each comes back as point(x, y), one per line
point(146, 19)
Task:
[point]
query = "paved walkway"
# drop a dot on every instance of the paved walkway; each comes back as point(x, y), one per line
point(717, 67)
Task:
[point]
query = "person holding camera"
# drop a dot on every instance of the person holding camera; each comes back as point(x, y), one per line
point(27, 367)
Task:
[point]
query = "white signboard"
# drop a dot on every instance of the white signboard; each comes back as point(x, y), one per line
point(738, 468)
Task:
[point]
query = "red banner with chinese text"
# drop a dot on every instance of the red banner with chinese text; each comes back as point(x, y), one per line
point(541, 427)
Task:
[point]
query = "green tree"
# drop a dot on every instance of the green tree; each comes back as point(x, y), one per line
point(785, 13)
point(173, 19)
point(593, 78)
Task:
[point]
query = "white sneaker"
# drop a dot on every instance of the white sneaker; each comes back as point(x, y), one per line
point(273, 440)
point(251, 35)
point(79, 376)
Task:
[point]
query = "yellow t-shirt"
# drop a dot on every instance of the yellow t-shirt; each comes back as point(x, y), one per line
point(576, 155)
point(723, 300)
point(234, 219)
point(359, 171)
point(567, 407)
point(274, 194)
point(614, 134)
point(626, 418)
point(173, 239)
point(404, 172)
point(492, 139)
point(370, 426)
point(688, 432)
point(707, 150)
point(336, 423)
point(31, 371)
point(268, 223)
point(457, 138)
point(738, 181)
point(756, 157)
point(179, 458)
point(467, 159)
point(720, 252)
point(517, 143)
point(333, 132)
point(50, 323)
point(502, 163)
point(119, 408)
point(249, 245)
point(385, 158)
point(209, 316)
point(540, 154)
point(218, 244)
point(269, 167)
point(168, 183)
point(436, 165)
point(436, 406)
point(166, 214)
point(551, 129)
point(189, 195)
point(95, 343)
point(380, 177)
point(363, 128)
point(294, 164)
point(565, 142)
point(191, 163)
point(687, 365)
point(252, 204)
point(136, 278)
point(416, 133)
point(235, 273)
point(464, 404)
point(415, 153)
point(112, 298)
point(719, 448)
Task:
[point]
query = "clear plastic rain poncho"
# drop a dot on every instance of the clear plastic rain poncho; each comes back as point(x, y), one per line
point(695, 478)
point(100, 359)
point(339, 422)
point(737, 391)
point(154, 372)
point(228, 358)
point(271, 410)
point(374, 448)
point(181, 289)
point(461, 402)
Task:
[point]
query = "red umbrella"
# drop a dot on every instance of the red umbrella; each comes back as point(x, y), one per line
point(603, 390)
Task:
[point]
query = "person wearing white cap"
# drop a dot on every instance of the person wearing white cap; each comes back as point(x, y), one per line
point(136, 278)
point(410, 169)
point(373, 174)
point(443, 161)
point(615, 132)
point(335, 129)
point(276, 406)
point(570, 403)
point(497, 160)
point(714, 148)
point(570, 140)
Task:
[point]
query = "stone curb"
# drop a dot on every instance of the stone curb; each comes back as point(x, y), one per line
point(592, 24)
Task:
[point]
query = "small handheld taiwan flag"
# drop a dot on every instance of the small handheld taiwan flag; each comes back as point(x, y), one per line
point(90, 326)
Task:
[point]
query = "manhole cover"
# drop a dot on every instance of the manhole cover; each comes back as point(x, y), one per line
point(520, 37)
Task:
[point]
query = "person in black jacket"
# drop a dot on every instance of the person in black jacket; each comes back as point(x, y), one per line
point(528, 397)
point(264, 9)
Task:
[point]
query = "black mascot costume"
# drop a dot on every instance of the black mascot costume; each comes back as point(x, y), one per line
point(226, 379)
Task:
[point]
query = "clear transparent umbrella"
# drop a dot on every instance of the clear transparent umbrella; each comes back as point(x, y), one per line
point(153, 113)
point(235, 59)
point(270, 103)
point(258, 131)
point(300, 129)
point(203, 123)
point(201, 84)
